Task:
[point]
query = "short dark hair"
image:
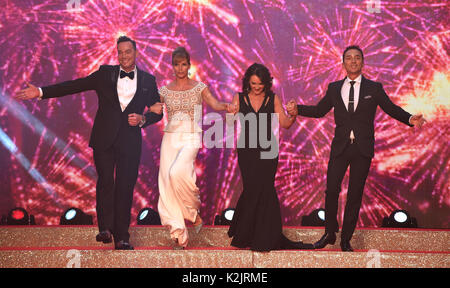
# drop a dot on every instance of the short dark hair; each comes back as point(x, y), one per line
point(263, 74)
point(181, 52)
point(126, 39)
point(356, 47)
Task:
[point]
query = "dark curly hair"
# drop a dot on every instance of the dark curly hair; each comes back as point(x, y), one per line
point(263, 74)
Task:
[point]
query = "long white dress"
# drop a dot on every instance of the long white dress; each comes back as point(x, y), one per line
point(179, 197)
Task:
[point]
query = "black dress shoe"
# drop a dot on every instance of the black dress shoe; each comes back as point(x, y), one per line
point(327, 238)
point(346, 247)
point(122, 245)
point(104, 236)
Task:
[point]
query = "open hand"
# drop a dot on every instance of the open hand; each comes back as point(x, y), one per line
point(417, 120)
point(28, 93)
point(291, 108)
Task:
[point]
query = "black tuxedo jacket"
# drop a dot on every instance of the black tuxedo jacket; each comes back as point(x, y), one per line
point(371, 95)
point(110, 118)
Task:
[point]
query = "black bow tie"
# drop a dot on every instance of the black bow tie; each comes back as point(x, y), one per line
point(125, 74)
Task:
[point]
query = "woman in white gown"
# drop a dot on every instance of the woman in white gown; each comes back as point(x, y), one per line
point(179, 197)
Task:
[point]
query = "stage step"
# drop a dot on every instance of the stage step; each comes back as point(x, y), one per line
point(63, 246)
point(217, 258)
point(216, 236)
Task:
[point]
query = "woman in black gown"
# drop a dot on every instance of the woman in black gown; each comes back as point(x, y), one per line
point(257, 220)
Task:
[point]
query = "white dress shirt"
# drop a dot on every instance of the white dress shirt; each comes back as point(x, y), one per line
point(126, 88)
point(345, 93)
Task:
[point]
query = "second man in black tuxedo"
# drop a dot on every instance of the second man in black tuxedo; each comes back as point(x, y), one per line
point(123, 93)
point(355, 100)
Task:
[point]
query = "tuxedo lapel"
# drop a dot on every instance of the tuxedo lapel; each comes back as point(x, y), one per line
point(140, 80)
point(114, 79)
point(362, 92)
point(339, 95)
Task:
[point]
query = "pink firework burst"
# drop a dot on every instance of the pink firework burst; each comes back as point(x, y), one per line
point(215, 27)
point(28, 57)
point(320, 54)
point(420, 158)
point(66, 182)
point(95, 28)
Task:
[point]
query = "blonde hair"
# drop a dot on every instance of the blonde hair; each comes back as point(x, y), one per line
point(181, 52)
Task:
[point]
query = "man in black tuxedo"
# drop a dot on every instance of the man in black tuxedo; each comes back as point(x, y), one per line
point(355, 100)
point(124, 91)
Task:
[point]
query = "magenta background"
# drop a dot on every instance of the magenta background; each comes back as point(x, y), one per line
point(406, 48)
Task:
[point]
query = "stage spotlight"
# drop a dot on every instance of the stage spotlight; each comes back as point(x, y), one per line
point(148, 216)
point(74, 216)
point(399, 219)
point(225, 218)
point(316, 218)
point(19, 216)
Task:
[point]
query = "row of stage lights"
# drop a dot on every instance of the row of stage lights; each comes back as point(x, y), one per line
point(72, 216)
point(148, 216)
point(397, 219)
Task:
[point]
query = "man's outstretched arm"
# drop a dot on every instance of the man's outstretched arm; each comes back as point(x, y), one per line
point(396, 111)
point(314, 111)
point(60, 89)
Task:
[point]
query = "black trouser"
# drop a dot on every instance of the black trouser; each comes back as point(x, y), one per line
point(115, 192)
point(359, 169)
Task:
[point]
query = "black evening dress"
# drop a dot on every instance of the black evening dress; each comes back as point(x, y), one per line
point(257, 220)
